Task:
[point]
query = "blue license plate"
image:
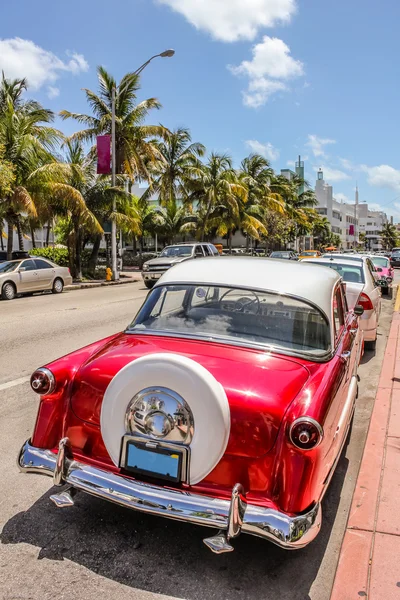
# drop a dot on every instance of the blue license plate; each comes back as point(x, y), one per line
point(153, 462)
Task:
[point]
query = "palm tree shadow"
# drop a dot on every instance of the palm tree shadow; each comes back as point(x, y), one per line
point(168, 557)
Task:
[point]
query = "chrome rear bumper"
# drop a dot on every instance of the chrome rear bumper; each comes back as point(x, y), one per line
point(233, 516)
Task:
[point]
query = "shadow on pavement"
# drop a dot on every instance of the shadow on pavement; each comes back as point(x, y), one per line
point(168, 557)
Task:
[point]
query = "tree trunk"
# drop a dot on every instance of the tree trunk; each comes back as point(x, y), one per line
point(247, 243)
point(1, 239)
point(20, 235)
point(33, 237)
point(48, 233)
point(134, 245)
point(92, 262)
point(10, 227)
point(203, 228)
point(78, 254)
point(230, 242)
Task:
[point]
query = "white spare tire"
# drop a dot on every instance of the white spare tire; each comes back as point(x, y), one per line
point(196, 385)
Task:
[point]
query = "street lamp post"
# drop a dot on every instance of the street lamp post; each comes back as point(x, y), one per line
point(114, 260)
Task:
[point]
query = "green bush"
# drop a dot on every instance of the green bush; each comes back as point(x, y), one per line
point(129, 260)
point(56, 255)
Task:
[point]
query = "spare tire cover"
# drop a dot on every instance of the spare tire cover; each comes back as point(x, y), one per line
point(203, 393)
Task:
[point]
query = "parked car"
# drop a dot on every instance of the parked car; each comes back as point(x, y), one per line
point(362, 287)
point(15, 255)
point(32, 275)
point(284, 254)
point(306, 254)
point(172, 255)
point(226, 403)
point(395, 258)
point(385, 272)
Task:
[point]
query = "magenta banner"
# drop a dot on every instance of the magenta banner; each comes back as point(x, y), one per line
point(103, 154)
point(351, 230)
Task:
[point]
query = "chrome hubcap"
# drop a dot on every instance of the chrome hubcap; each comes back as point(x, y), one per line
point(58, 286)
point(160, 413)
point(9, 291)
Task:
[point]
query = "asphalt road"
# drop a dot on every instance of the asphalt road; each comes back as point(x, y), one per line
point(96, 549)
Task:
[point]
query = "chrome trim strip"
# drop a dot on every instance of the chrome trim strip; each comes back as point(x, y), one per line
point(290, 532)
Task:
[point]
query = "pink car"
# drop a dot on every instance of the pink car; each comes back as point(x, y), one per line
point(385, 272)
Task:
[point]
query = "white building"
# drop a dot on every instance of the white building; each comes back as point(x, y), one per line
point(341, 216)
point(371, 224)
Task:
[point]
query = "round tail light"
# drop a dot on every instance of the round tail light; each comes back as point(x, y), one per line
point(43, 381)
point(306, 433)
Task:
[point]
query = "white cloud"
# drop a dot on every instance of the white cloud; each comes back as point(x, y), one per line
point(383, 176)
point(341, 197)
point(267, 150)
point(271, 66)
point(333, 174)
point(291, 163)
point(233, 20)
point(317, 144)
point(23, 58)
point(52, 92)
point(347, 164)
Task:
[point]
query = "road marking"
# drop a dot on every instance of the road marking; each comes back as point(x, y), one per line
point(14, 382)
point(397, 304)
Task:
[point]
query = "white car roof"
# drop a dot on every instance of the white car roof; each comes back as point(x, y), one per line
point(298, 279)
point(337, 259)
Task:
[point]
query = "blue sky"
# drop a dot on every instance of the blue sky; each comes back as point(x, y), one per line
point(283, 77)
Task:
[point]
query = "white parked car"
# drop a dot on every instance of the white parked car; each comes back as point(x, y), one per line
point(362, 288)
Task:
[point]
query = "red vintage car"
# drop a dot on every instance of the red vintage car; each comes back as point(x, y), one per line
point(225, 403)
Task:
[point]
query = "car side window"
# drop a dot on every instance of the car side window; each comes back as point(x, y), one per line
point(213, 249)
point(29, 265)
point(42, 264)
point(198, 251)
point(206, 250)
point(338, 314)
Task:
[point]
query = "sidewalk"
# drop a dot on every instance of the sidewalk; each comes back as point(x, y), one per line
point(369, 561)
point(126, 277)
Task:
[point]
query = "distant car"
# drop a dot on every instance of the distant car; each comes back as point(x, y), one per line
point(172, 255)
point(226, 403)
point(385, 272)
point(309, 254)
point(32, 275)
point(15, 255)
point(395, 258)
point(284, 254)
point(362, 288)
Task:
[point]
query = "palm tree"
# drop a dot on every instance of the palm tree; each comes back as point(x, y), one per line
point(172, 172)
point(322, 232)
point(135, 144)
point(215, 184)
point(389, 236)
point(256, 175)
point(172, 220)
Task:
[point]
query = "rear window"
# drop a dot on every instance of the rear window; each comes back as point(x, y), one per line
point(234, 315)
point(380, 261)
point(350, 273)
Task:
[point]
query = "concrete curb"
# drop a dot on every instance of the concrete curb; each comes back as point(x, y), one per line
point(368, 561)
point(85, 286)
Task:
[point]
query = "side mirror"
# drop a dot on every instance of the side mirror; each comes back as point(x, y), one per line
point(358, 310)
point(21, 269)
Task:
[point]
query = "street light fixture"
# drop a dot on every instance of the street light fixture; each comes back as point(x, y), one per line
point(166, 54)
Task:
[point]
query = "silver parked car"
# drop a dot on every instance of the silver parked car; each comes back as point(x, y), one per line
point(32, 275)
point(362, 287)
point(172, 255)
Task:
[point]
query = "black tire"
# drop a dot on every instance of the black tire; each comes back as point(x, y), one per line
point(371, 345)
point(8, 291)
point(58, 286)
point(149, 284)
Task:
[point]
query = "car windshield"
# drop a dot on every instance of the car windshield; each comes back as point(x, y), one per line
point(172, 251)
point(280, 255)
point(396, 253)
point(233, 315)
point(350, 273)
point(380, 261)
point(310, 253)
point(6, 267)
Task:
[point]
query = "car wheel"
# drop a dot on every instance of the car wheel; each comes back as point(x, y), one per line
point(58, 286)
point(149, 284)
point(8, 291)
point(370, 345)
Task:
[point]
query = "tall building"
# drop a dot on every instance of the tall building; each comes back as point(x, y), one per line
point(371, 224)
point(341, 216)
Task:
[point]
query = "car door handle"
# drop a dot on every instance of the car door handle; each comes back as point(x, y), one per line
point(345, 356)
